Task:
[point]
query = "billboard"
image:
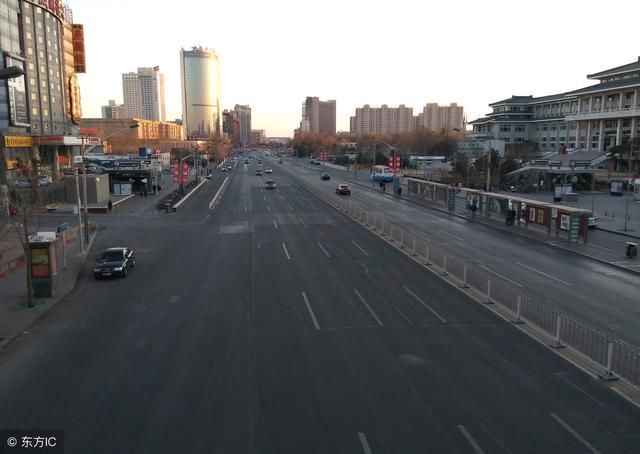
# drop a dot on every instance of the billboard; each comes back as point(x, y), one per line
point(18, 111)
point(79, 62)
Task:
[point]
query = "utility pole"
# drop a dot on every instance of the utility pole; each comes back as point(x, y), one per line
point(84, 189)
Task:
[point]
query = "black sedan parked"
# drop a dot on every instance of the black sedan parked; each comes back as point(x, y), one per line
point(115, 261)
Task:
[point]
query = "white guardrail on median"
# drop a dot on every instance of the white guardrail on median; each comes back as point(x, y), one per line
point(616, 358)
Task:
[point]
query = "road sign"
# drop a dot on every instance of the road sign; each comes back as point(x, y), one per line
point(63, 227)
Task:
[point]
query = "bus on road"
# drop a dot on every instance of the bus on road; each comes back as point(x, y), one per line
point(381, 174)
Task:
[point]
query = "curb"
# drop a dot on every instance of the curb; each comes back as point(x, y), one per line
point(52, 303)
point(178, 205)
point(617, 232)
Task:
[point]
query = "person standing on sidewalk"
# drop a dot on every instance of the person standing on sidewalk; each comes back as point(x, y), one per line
point(109, 205)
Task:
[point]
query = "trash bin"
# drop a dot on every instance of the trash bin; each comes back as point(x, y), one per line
point(632, 250)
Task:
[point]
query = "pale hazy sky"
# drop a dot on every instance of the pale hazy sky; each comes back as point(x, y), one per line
point(275, 53)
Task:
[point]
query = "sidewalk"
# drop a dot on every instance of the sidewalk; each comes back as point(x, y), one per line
point(15, 316)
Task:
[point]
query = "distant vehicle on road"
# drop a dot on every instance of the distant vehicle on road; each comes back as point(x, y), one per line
point(325, 176)
point(268, 170)
point(259, 172)
point(246, 161)
point(343, 189)
point(381, 174)
point(270, 184)
point(593, 220)
point(115, 261)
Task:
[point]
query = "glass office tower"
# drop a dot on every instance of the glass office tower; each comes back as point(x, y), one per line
point(201, 104)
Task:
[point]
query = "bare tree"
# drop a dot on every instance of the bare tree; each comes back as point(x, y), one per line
point(22, 203)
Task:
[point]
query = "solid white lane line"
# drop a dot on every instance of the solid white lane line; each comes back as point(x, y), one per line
point(274, 224)
point(324, 250)
point(313, 316)
point(452, 236)
point(290, 207)
point(373, 314)
point(361, 250)
point(245, 208)
point(429, 308)
point(286, 252)
point(268, 208)
point(500, 275)
point(302, 222)
point(569, 429)
point(364, 443)
point(215, 197)
point(264, 197)
point(542, 273)
point(476, 447)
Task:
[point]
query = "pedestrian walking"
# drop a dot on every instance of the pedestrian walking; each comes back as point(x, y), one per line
point(109, 205)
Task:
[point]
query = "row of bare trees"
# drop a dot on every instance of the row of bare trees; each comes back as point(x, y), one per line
point(419, 142)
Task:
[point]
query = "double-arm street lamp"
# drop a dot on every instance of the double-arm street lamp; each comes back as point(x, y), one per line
point(84, 220)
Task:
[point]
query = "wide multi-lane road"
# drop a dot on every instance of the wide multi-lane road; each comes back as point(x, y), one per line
point(273, 323)
point(600, 295)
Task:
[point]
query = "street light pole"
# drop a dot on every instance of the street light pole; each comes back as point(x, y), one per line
point(85, 207)
point(84, 190)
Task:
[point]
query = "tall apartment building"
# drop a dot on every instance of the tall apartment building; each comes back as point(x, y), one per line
point(436, 118)
point(382, 120)
point(593, 118)
point(201, 93)
point(231, 126)
point(40, 100)
point(143, 94)
point(244, 118)
point(113, 111)
point(320, 115)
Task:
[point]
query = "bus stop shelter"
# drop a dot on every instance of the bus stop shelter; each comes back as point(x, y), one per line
point(553, 218)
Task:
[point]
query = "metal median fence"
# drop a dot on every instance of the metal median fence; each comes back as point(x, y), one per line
point(617, 358)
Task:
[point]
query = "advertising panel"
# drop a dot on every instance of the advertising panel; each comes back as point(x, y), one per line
point(18, 111)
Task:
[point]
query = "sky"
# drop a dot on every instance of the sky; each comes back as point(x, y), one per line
point(273, 54)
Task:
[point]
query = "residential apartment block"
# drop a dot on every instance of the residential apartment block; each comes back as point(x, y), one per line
point(437, 118)
point(382, 120)
point(593, 118)
point(143, 94)
point(318, 116)
point(243, 113)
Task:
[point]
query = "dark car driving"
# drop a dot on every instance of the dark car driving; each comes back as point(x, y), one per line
point(115, 261)
point(325, 176)
point(343, 189)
